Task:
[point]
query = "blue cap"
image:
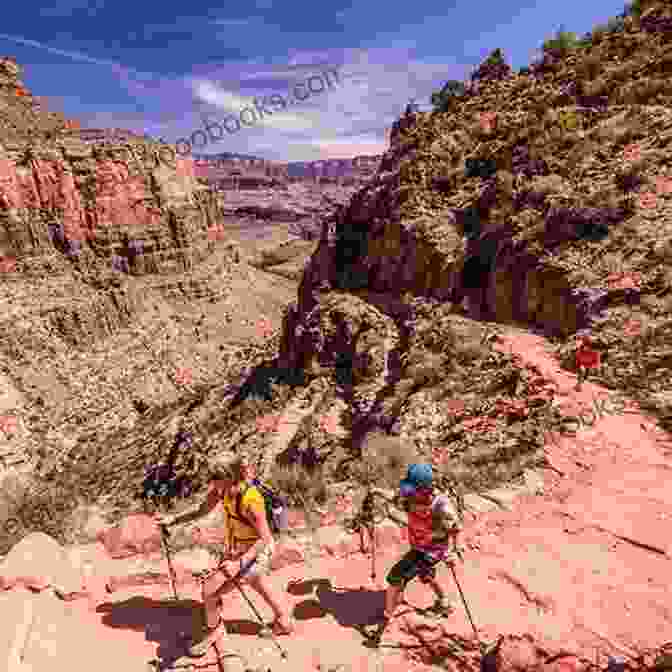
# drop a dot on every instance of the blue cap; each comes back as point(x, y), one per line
point(417, 476)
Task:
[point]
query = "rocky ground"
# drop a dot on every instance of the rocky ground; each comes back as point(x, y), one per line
point(576, 562)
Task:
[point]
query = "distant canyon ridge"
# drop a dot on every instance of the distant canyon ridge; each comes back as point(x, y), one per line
point(239, 171)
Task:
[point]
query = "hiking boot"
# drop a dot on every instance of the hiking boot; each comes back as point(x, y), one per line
point(208, 637)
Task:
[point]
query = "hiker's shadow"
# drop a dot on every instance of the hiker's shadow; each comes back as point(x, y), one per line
point(162, 621)
point(352, 608)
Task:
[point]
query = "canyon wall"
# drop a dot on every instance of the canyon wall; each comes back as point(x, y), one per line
point(124, 205)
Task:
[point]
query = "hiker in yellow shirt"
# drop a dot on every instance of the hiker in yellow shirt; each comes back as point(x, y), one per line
point(251, 544)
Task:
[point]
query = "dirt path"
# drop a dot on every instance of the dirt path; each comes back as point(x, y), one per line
point(582, 568)
point(596, 548)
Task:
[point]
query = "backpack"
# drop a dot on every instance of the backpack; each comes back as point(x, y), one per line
point(276, 507)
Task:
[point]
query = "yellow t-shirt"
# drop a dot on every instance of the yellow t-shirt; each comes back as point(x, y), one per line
point(240, 531)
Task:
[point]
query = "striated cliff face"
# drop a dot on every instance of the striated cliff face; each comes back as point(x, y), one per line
point(121, 206)
point(104, 248)
point(536, 199)
point(98, 208)
point(251, 173)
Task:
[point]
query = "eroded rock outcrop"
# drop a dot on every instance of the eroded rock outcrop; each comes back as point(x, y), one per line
point(438, 222)
point(121, 206)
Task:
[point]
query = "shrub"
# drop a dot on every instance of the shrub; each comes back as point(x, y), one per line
point(632, 9)
point(303, 487)
point(493, 68)
point(561, 44)
point(477, 267)
point(469, 220)
point(478, 167)
point(452, 90)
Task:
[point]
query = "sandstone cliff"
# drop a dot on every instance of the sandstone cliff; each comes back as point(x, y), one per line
point(113, 207)
point(577, 207)
point(102, 248)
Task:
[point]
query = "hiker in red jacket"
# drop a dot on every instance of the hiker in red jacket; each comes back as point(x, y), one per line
point(587, 359)
point(251, 544)
point(432, 532)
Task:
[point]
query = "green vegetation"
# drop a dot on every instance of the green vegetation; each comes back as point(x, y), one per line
point(563, 42)
point(443, 99)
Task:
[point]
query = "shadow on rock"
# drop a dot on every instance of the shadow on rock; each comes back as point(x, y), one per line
point(161, 620)
point(258, 383)
point(242, 627)
point(352, 608)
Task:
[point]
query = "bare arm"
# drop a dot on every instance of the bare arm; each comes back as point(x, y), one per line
point(258, 518)
point(194, 513)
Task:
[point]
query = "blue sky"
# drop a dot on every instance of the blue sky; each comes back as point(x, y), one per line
point(158, 67)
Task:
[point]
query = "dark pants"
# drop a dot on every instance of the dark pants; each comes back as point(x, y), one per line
point(413, 564)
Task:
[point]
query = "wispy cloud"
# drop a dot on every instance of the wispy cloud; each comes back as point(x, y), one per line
point(75, 55)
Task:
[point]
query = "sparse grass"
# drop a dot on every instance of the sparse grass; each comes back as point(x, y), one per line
point(305, 488)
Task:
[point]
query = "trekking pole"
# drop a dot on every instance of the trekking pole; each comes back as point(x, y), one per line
point(164, 542)
point(368, 516)
point(236, 583)
point(466, 606)
point(488, 658)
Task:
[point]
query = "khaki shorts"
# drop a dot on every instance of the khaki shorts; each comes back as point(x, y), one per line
point(261, 565)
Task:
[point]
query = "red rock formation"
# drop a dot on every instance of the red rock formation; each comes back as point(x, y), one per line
point(59, 194)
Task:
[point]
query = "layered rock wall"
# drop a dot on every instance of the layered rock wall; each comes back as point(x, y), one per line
point(100, 208)
point(239, 173)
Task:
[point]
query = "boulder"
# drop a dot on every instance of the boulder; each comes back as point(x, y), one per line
point(16, 617)
point(62, 638)
point(134, 535)
point(38, 562)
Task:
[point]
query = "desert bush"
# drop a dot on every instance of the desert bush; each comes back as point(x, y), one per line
point(563, 42)
point(303, 487)
point(443, 100)
point(469, 221)
point(633, 9)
